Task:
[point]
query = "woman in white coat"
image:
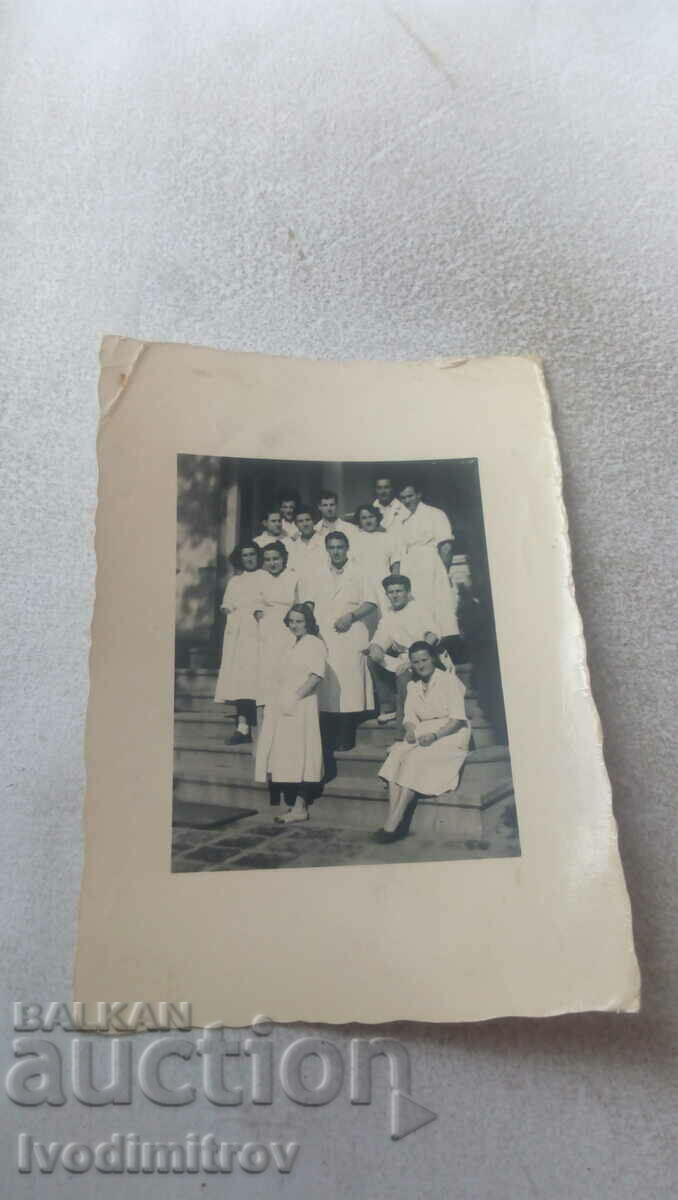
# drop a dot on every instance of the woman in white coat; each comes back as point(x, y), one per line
point(437, 737)
point(239, 658)
point(289, 752)
point(375, 551)
point(278, 593)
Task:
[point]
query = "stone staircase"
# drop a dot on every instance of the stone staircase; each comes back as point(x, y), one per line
point(208, 770)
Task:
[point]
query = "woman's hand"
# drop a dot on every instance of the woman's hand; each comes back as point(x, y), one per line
point(343, 624)
point(427, 739)
point(410, 735)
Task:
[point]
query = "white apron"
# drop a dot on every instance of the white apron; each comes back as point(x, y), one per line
point(372, 553)
point(431, 770)
point(289, 749)
point(237, 679)
point(275, 639)
point(419, 534)
point(406, 626)
point(347, 686)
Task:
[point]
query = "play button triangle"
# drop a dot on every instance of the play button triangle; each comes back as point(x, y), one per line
point(407, 1115)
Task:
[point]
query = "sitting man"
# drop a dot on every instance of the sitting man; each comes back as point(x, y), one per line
point(405, 621)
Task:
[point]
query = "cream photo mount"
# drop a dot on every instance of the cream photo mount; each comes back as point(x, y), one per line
point(544, 933)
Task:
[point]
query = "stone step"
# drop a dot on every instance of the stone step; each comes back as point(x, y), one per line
point(219, 727)
point(357, 770)
point(445, 817)
point(201, 683)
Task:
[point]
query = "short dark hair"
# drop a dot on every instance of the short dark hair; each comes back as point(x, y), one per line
point(340, 535)
point(305, 510)
point(269, 511)
point(307, 609)
point(282, 550)
point(413, 483)
point(289, 494)
point(433, 650)
point(397, 579)
point(328, 494)
point(235, 557)
point(370, 508)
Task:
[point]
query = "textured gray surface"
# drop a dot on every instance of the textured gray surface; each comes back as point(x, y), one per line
point(357, 180)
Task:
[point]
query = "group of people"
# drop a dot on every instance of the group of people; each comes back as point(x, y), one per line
point(328, 619)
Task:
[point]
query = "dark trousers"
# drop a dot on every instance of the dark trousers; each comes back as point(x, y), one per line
point(247, 709)
point(456, 648)
point(389, 688)
point(336, 730)
point(288, 792)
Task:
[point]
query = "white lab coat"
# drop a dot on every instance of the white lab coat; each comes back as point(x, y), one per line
point(374, 553)
point(289, 749)
point(307, 555)
point(323, 527)
point(278, 594)
point(267, 539)
point(347, 686)
point(405, 626)
point(237, 679)
point(391, 514)
point(290, 530)
point(419, 534)
point(431, 770)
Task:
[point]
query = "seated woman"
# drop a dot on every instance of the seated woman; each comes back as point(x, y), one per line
point(289, 751)
point(237, 677)
point(437, 736)
point(278, 592)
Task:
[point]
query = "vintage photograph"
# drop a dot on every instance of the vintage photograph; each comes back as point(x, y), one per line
point(338, 696)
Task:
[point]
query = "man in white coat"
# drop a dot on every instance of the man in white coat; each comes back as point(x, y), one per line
point(308, 552)
point(330, 521)
point(341, 601)
point(391, 509)
point(426, 549)
point(289, 504)
point(402, 623)
point(273, 530)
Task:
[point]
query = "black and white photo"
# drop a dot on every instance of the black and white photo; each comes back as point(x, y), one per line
point(338, 695)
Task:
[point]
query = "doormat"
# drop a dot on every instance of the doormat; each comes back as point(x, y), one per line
point(207, 816)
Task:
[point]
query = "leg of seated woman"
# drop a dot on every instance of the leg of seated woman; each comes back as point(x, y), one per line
point(399, 798)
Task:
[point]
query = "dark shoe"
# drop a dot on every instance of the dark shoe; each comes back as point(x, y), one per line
point(381, 835)
point(239, 739)
point(402, 828)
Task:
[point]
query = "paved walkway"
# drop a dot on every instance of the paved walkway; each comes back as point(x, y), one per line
point(258, 843)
